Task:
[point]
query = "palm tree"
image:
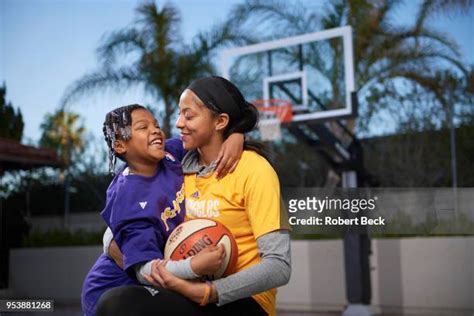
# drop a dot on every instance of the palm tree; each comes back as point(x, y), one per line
point(385, 54)
point(429, 7)
point(63, 132)
point(155, 58)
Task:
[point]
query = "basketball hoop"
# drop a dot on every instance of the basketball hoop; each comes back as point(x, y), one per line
point(273, 112)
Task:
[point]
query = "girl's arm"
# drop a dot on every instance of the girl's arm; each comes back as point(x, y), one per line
point(229, 155)
point(206, 262)
point(181, 268)
point(273, 271)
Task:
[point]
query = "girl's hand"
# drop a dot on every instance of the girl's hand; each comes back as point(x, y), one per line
point(208, 261)
point(229, 155)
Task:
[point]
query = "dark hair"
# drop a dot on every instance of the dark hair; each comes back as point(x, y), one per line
point(220, 95)
point(249, 118)
point(117, 126)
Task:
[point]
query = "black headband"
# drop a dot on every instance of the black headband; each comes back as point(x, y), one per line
point(213, 92)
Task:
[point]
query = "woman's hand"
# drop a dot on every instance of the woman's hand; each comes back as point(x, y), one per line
point(208, 261)
point(162, 277)
point(229, 155)
point(193, 290)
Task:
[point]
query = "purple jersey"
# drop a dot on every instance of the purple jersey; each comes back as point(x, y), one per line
point(141, 212)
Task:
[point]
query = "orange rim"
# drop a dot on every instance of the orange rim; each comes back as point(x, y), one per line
point(282, 108)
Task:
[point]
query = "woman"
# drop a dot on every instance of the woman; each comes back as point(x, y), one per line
point(246, 201)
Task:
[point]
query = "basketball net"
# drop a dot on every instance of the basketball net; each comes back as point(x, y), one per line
point(273, 112)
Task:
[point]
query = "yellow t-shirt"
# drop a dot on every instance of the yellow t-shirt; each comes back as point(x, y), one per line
point(247, 202)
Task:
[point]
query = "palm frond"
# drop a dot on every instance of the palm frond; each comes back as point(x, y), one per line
point(161, 28)
point(272, 17)
point(400, 34)
point(102, 80)
point(120, 43)
point(369, 24)
point(429, 7)
point(409, 47)
point(223, 35)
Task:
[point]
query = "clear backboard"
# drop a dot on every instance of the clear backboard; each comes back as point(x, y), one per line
point(315, 72)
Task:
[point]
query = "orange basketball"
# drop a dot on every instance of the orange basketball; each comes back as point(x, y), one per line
point(194, 235)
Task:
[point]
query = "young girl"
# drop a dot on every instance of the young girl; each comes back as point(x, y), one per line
point(247, 202)
point(145, 202)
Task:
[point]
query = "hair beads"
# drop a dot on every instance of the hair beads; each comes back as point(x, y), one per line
point(117, 126)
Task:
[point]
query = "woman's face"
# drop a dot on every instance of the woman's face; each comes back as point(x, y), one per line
point(196, 122)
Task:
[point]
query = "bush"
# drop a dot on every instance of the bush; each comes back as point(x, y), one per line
point(58, 238)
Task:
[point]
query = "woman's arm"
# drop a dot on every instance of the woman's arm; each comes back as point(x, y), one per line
point(273, 271)
point(269, 226)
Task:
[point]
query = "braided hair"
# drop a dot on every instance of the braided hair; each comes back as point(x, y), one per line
point(117, 125)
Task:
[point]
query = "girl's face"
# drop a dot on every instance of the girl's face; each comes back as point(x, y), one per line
point(197, 123)
point(147, 142)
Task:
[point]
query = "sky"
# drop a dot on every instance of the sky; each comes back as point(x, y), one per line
point(45, 45)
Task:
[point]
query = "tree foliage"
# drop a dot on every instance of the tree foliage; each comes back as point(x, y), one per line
point(151, 53)
point(63, 131)
point(387, 56)
point(11, 120)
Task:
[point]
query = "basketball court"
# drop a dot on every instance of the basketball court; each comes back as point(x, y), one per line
point(305, 91)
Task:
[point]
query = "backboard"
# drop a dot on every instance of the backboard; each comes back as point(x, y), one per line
point(315, 72)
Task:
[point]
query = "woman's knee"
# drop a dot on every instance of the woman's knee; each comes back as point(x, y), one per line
point(145, 300)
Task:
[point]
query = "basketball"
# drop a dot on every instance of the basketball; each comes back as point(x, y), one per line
point(194, 235)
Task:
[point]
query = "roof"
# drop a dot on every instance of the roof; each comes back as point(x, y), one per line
point(16, 156)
